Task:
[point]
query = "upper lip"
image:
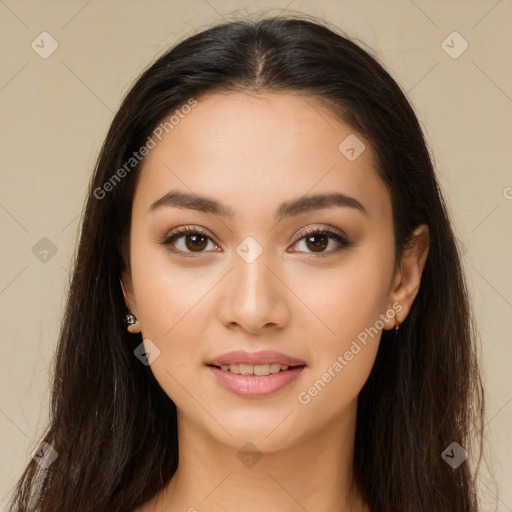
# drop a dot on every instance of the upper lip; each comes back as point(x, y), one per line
point(255, 358)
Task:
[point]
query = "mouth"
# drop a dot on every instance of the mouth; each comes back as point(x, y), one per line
point(256, 374)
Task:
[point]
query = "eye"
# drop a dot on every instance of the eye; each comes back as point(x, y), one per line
point(195, 240)
point(318, 240)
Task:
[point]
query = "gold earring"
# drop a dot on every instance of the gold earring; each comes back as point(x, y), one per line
point(397, 323)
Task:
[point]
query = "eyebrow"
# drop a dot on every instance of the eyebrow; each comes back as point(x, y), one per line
point(298, 206)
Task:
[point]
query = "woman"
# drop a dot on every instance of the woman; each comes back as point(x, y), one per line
point(265, 218)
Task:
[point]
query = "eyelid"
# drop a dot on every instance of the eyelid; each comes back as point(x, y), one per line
point(326, 229)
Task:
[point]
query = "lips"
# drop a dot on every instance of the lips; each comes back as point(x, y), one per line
point(255, 374)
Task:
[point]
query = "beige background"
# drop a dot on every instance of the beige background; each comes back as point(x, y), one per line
point(55, 113)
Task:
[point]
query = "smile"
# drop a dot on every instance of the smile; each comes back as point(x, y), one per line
point(254, 369)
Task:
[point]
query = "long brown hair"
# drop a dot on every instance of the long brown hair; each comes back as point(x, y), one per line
point(114, 428)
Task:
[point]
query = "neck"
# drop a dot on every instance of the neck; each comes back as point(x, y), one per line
point(313, 474)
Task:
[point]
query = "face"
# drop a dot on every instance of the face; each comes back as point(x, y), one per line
point(285, 252)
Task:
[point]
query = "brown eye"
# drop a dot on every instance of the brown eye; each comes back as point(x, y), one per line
point(317, 243)
point(187, 241)
point(195, 242)
point(318, 240)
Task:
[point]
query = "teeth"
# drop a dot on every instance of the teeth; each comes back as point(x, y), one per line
point(261, 369)
point(246, 369)
point(275, 368)
point(254, 369)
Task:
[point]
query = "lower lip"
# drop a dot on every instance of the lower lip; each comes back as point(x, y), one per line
point(256, 386)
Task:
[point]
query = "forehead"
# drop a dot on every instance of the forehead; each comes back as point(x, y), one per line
point(252, 150)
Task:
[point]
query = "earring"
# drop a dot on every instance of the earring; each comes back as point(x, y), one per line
point(132, 323)
point(397, 323)
point(129, 319)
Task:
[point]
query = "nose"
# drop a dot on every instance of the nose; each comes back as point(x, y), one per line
point(254, 298)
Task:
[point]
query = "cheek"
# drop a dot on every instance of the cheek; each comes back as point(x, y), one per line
point(167, 294)
point(346, 299)
point(176, 307)
point(173, 308)
point(343, 361)
point(352, 306)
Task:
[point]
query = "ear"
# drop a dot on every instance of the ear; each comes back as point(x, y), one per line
point(407, 279)
point(129, 296)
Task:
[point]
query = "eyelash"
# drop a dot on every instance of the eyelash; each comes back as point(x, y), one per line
point(180, 232)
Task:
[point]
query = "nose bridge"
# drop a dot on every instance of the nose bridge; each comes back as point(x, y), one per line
point(252, 280)
point(254, 298)
point(252, 276)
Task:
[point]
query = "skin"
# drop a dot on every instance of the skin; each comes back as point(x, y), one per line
point(251, 153)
